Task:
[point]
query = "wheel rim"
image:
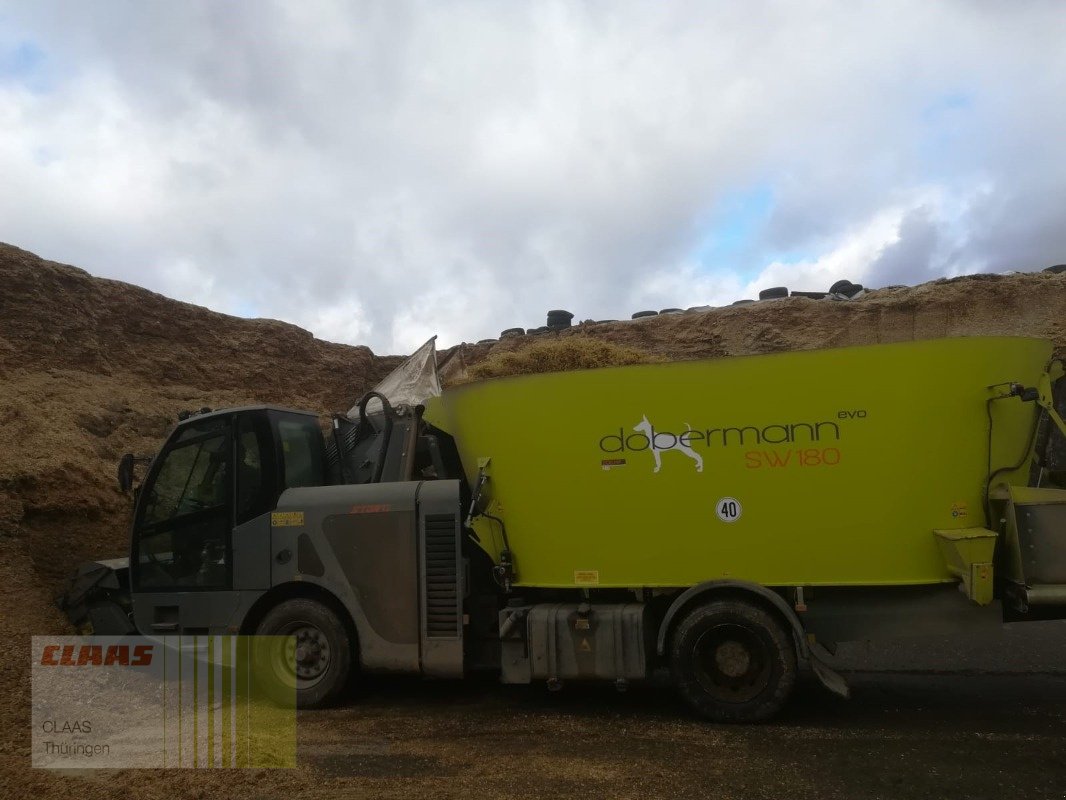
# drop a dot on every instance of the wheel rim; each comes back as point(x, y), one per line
point(732, 663)
point(306, 656)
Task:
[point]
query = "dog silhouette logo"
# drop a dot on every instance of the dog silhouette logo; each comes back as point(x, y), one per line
point(663, 441)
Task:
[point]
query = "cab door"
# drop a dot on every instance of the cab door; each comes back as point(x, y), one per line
point(181, 563)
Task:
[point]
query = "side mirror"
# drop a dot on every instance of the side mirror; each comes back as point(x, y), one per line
point(125, 472)
point(126, 466)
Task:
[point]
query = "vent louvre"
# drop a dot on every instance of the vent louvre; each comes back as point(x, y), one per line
point(442, 577)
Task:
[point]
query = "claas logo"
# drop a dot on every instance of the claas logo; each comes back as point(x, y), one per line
point(95, 655)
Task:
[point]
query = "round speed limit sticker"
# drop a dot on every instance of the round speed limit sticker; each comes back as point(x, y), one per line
point(728, 509)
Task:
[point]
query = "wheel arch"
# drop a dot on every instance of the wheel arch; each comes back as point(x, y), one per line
point(708, 590)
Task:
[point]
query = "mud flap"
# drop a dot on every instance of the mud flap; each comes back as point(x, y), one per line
point(830, 678)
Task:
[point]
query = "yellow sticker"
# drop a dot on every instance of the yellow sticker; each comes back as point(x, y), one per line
point(287, 519)
point(587, 577)
point(959, 510)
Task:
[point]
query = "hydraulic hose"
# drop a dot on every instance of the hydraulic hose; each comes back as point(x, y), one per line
point(379, 465)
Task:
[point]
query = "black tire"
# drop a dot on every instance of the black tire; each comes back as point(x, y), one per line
point(842, 287)
point(774, 293)
point(559, 318)
point(733, 661)
point(326, 658)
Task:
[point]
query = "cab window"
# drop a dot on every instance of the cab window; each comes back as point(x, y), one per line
point(182, 533)
point(301, 452)
point(256, 492)
point(193, 478)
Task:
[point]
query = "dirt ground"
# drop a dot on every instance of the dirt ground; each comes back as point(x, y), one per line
point(902, 735)
point(91, 368)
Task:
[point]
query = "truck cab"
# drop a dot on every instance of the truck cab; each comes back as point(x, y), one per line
point(264, 520)
point(215, 482)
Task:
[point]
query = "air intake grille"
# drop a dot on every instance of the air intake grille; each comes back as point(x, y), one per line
point(442, 577)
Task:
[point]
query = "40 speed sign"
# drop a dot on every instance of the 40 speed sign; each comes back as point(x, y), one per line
point(728, 509)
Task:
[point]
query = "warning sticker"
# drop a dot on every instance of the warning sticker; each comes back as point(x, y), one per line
point(959, 510)
point(287, 519)
point(587, 577)
point(611, 463)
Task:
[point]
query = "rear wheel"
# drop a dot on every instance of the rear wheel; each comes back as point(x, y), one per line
point(317, 660)
point(733, 661)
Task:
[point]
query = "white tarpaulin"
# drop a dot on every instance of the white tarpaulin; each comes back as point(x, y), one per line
point(410, 384)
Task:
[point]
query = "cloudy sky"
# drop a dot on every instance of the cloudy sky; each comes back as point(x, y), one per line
point(381, 171)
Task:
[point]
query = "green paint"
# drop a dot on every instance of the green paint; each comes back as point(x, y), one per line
point(180, 761)
point(195, 702)
point(210, 701)
point(227, 699)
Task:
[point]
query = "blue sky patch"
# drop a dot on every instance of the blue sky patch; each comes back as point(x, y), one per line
point(248, 309)
point(730, 241)
point(947, 103)
point(24, 63)
point(949, 128)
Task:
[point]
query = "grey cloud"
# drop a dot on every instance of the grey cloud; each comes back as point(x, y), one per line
point(909, 260)
point(356, 167)
point(1017, 227)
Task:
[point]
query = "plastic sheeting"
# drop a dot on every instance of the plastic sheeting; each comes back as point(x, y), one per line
point(410, 384)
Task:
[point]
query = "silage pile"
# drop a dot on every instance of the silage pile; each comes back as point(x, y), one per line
point(552, 354)
point(92, 368)
point(1024, 304)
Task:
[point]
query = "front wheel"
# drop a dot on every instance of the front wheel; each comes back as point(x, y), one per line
point(733, 661)
point(316, 660)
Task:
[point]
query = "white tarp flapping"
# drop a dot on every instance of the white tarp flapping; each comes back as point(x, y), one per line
point(410, 384)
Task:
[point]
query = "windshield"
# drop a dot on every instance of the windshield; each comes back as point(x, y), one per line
point(192, 478)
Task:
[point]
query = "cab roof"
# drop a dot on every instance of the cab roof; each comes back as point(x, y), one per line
point(195, 416)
